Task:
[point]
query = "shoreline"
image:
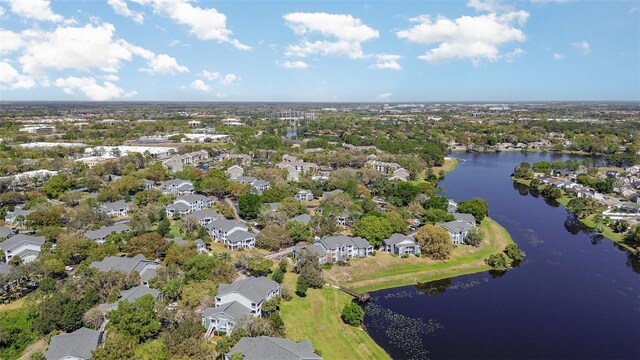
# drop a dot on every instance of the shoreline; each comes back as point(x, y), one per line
point(566, 152)
point(607, 233)
point(398, 272)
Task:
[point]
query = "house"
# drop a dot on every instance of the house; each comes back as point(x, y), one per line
point(289, 158)
point(244, 158)
point(223, 318)
point(340, 248)
point(187, 204)
point(272, 348)
point(178, 162)
point(457, 230)
point(235, 172)
point(611, 173)
point(5, 232)
point(251, 292)
point(24, 246)
point(77, 345)
point(304, 195)
point(468, 218)
point(258, 185)
point(400, 244)
point(17, 216)
point(400, 174)
point(148, 184)
point(297, 167)
point(232, 234)
point(131, 295)
point(292, 173)
point(115, 209)
point(201, 246)
point(385, 168)
point(303, 218)
point(177, 187)
point(204, 217)
point(101, 234)
point(327, 194)
point(127, 265)
point(315, 248)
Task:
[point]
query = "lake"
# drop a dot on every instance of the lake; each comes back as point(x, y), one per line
point(576, 295)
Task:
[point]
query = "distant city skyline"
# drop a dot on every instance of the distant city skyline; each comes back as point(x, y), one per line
point(312, 51)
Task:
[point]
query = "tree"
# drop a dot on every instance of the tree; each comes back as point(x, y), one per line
point(620, 226)
point(436, 202)
point(497, 261)
point(278, 276)
point(56, 186)
point(477, 207)
point(136, 319)
point(202, 267)
point(260, 266)
point(273, 237)
point(322, 225)
point(178, 254)
point(197, 292)
point(310, 270)
point(373, 228)
point(542, 167)
point(186, 340)
point(73, 250)
point(298, 231)
point(151, 245)
point(552, 192)
point(116, 347)
point(249, 206)
point(403, 193)
point(523, 171)
point(434, 242)
point(437, 215)
point(397, 222)
point(224, 209)
point(164, 227)
point(352, 314)
point(93, 318)
point(301, 287)
point(513, 252)
point(584, 207)
point(632, 238)
point(474, 237)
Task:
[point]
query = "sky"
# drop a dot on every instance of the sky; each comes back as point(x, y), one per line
point(319, 51)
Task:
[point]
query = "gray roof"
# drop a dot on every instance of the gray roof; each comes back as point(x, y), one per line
point(464, 217)
point(234, 310)
point(78, 344)
point(303, 218)
point(224, 224)
point(396, 238)
point(123, 264)
point(246, 179)
point(255, 289)
point(329, 193)
point(178, 241)
point(5, 232)
point(116, 205)
point(332, 242)
point(239, 235)
point(456, 226)
point(148, 182)
point(204, 214)
point(192, 198)
point(179, 206)
point(272, 348)
point(176, 182)
point(5, 269)
point(138, 292)
point(17, 240)
point(315, 249)
point(106, 230)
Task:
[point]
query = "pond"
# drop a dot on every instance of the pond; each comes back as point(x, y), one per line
point(576, 295)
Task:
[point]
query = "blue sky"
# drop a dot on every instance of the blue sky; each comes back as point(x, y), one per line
point(176, 50)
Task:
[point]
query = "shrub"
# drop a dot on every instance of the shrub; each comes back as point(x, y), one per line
point(353, 314)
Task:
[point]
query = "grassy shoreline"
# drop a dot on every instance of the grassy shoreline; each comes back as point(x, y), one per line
point(588, 222)
point(387, 271)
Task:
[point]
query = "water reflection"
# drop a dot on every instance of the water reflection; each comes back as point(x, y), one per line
point(434, 287)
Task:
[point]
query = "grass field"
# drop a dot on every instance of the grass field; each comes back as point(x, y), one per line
point(448, 166)
point(385, 270)
point(16, 318)
point(317, 317)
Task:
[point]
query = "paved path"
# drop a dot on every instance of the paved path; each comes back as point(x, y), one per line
point(279, 254)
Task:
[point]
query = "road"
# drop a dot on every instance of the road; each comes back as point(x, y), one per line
point(236, 216)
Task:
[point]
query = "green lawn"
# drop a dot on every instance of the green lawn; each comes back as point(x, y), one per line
point(18, 319)
point(317, 317)
point(387, 271)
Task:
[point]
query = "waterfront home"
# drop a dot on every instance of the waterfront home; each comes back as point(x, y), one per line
point(131, 295)
point(18, 216)
point(231, 233)
point(341, 247)
point(452, 206)
point(127, 265)
point(77, 345)
point(26, 247)
point(235, 172)
point(258, 185)
point(272, 348)
point(187, 204)
point(400, 244)
point(251, 292)
point(468, 218)
point(457, 229)
point(304, 195)
point(115, 209)
point(177, 187)
point(101, 234)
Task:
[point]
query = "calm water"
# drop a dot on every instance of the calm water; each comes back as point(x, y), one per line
point(575, 296)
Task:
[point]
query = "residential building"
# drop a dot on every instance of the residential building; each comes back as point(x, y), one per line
point(101, 234)
point(400, 174)
point(178, 162)
point(235, 172)
point(400, 244)
point(131, 295)
point(177, 187)
point(5, 232)
point(204, 217)
point(38, 129)
point(115, 209)
point(25, 246)
point(187, 204)
point(385, 168)
point(18, 216)
point(223, 318)
point(157, 152)
point(77, 345)
point(304, 195)
point(303, 218)
point(251, 292)
point(244, 158)
point(92, 161)
point(127, 265)
point(272, 348)
point(301, 166)
point(341, 247)
point(148, 184)
point(258, 185)
point(468, 218)
point(231, 233)
point(457, 229)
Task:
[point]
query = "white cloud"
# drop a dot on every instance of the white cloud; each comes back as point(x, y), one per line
point(297, 64)
point(512, 55)
point(1, 11)
point(347, 33)
point(558, 56)
point(387, 61)
point(10, 41)
point(173, 43)
point(583, 46)
point(11, 79)
point(385, 96)
point(229, 79)
point(35, 10)
point(209, 75)
point(200, 85)
point(110, 77)
point(205, 24)
point(121, 8)
point(91, 89)
point(489, 5)
point(467, 37)
point(84, 48)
